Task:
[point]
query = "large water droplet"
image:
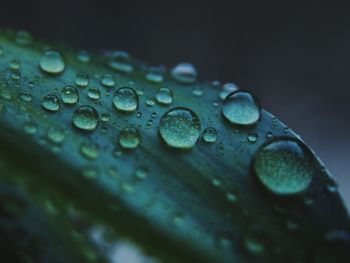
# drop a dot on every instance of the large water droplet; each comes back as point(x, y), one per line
point(85, 118)
point(164, 96)
point(241, 108)
point(69, 95)
point(125, 99)
point(52, 62)
point(51, 103)
point(284, 166)
point(184, 72)
point(180, 128)
point(129, 138)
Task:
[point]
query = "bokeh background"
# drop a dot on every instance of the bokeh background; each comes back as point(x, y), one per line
point(295, 55)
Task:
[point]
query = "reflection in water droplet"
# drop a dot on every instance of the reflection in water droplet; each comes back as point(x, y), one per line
point(184, 72)
point(241, 108)
point(164, 96)
point(284, 166)
point(69, 95)
point(52, 62)
point(125, 99)
point(180, 128)
point(51, 103)
point(129, 138)
point(85, 118)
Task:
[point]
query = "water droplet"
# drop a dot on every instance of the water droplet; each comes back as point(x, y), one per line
point(51, 103)
point(129, 138)
point(149, 101)
point(197, 91)
point(231, 197)
point(154, 75)
point(55, 134)
point(180, 128)
point(269, 135)
point(15, 64)
point(210, 134)
point(108, 80)
point(69, 95)
point(94, 93)
point(284, 166)
point(125, 99)
point(254, 244)
point(83, 56)
point(227, 89)
point(121, 62)
point(85, 118)
point(184, 72)
point(90, 150)
point(30, 127)
point(241, 108)
point(141, 173)
point(52, 62)
point(23, 37)
point(164, 96)
point(82, 79)
point(25, 96)
point(89, 172)
point(252, 137)
point(105, 117)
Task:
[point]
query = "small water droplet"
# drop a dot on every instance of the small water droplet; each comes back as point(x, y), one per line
point(149, 101)
point(121, 62)
point(154, 75)
point(231, 197)
point(90, 150)
point(82, 79)
point(252, 137)
point(210, 135)
point(164, 96)
point(105, 117)
point(141, 173)
point(184, 72)
point(269, 135)
point(125, 99)
point(227, 89)
point(180, 128)
point(241, 108)
point(15, 64)
point(83, 56)
point(197, 91)
point(55, 134)
point(23, 37)
point(69, 95)
point(25, 96)
point(89, 172)
point(51, 103)
point(30, 127)
point(85, 118)
point(129, 138)
point(284, 166)
point(52, 62)
point(108, 80)
point(94, 93)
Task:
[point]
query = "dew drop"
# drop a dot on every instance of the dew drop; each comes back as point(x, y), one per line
point(52, 62)
point(180, 128)
point(125, 99)
point(85, 118)
point(89, 150)
point(30, 127)
point(83, 56)
point(94, 93)
point(69, 95)
point(23, 37)
point(164, 96)
point(154, 75)
point(141, 173)
point(241, 108)
point(149, 101)
point(129, 138)
point(15, 64)
point(105, 117)
point(121, 62)
point(284, 166)
point(108, 80)
point(25, 96)
point(82, 79)
point(227, 89)
point(184, 72)
point(55, 134)
point(252, 137)
point(210, 135)
point(51, 103)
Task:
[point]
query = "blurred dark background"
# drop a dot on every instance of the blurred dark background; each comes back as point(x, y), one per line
point(295, 55)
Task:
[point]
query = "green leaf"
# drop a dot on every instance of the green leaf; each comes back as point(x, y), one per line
point(154, 158)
